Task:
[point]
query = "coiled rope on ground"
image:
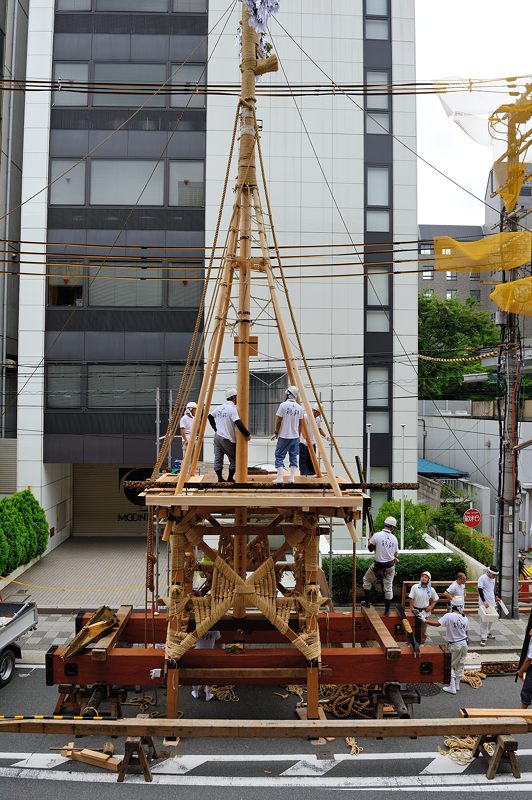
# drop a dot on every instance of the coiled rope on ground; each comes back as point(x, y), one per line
point(225, 693)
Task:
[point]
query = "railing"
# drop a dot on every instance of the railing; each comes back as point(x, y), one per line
point(471, 598)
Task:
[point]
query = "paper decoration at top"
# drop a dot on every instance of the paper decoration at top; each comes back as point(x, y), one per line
point(260, 12)
point(514, 297)
point(499, 251)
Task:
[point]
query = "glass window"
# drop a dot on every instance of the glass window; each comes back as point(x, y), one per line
point(265, 390)
point(63, 386)
point(67, 189)
point(132, 5)
point(378, 186)
point(65, 74)
point(475, 294)
point(474, 276)
point(377, 321)
point(185, 285)
point(376, 29)
point(450, 293)
point(450, 276)
point(377, 386)
point(379, 475)
point(199, 6)
point(378, 286)
point(175, 376)
point(73, 5)
point(152, 74)
point(378, 221)
point(377, 123)
point(122, 385)
point(379, 421)
point(65, 282)
point(187, 187)
point(377, 8)
point(377, 87)
point(188, 76)
point(112, 284)
point(426, 249)
point(428, 275)
point(126, 182)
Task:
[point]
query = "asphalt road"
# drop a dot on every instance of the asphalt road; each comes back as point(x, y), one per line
point(229, 770)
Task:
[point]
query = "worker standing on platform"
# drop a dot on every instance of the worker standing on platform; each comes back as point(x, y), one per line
point(423, 598)
point(457, 587)
point(306, 466)
point(386, 547)
point(288, 423)
point(185, 426)
point(487, 598)
point(455, 624)
point(525, 673)
point(223, 421)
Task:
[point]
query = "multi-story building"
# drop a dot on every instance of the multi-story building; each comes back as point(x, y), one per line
point(126, 177)
point(13, 40)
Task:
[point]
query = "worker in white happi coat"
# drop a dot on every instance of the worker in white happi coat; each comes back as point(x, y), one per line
point(223, 420)
point(525, 673)
point(386, 547)
point(457, 587)
point(455, 625)
point(288, 422)
point(423, 598)
point(185, 425)
point(205, 642)
point(487, 597)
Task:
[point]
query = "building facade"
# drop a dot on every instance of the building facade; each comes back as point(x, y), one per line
point(125, 185)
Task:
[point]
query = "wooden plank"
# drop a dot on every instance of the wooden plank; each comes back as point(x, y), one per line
point(172, 692)
point(227, 674)
point(99, 652)
point(475, 713)
point(268, 728)
point(253, 500)
point(313, 687)
point(382, 633)
point(131, 666)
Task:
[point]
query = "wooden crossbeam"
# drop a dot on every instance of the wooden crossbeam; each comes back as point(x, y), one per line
point(100, 650)
point(384, 637)
point(493, 713)
point(268, 728)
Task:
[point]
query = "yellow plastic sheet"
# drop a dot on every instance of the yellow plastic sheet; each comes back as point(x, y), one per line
point(499, 251)
point(515, 297)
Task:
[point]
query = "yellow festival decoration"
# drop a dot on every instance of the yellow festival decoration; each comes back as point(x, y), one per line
point(497, 252)
point(515, 297)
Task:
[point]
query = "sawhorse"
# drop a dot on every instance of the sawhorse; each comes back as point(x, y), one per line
point(135, 750)
point(505, 749)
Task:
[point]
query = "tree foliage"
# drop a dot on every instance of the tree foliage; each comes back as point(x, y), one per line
point(417, 521)
point(449, 329)
point(23, 531)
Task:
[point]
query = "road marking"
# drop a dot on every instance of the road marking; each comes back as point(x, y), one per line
point(434, 783)
point(41, 761)
point(443, 765)
point(309, 766)
point(30, 666)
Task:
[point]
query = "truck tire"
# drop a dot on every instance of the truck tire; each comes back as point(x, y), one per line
point(7, 667)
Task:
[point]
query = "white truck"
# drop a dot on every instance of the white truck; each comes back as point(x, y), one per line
point(15, 620)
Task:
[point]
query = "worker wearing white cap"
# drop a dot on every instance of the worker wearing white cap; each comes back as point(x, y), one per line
point(386, 547)
point(288, 422)
point(422, 598)
point(223, 420)
point(187, 420)
point(525, 673)
point(306, 466)
point(455, 625)
point(487, 598)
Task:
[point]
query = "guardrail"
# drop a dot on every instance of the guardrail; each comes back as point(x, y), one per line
point(471, 598)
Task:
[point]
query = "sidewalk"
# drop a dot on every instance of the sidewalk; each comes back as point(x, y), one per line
point(89, 572)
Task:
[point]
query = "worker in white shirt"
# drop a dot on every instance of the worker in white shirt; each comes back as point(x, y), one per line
point(525, 673)
point(422, 598)
point(487, 597)
point(386, 547)
point(306, 466)
point(205, 642)
point(185, 426)
point(288, 422)
point(223, 420)
point(455, 625)
point(457, 587)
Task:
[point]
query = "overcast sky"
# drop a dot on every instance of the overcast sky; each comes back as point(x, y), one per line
point(466, 38)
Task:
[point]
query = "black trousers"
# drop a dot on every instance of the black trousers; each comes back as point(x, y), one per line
point(305, 461)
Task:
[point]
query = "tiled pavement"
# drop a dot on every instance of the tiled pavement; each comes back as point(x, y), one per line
point(86, 573)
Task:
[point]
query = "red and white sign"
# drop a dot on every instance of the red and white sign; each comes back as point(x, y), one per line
point(472, 517)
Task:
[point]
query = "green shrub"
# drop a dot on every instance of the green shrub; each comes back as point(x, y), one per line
point(417, 521)
point(441, 566)
point(473, 543)
point(22, 503)
point(12, 523)
point(4, 553)
point(444, 519)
